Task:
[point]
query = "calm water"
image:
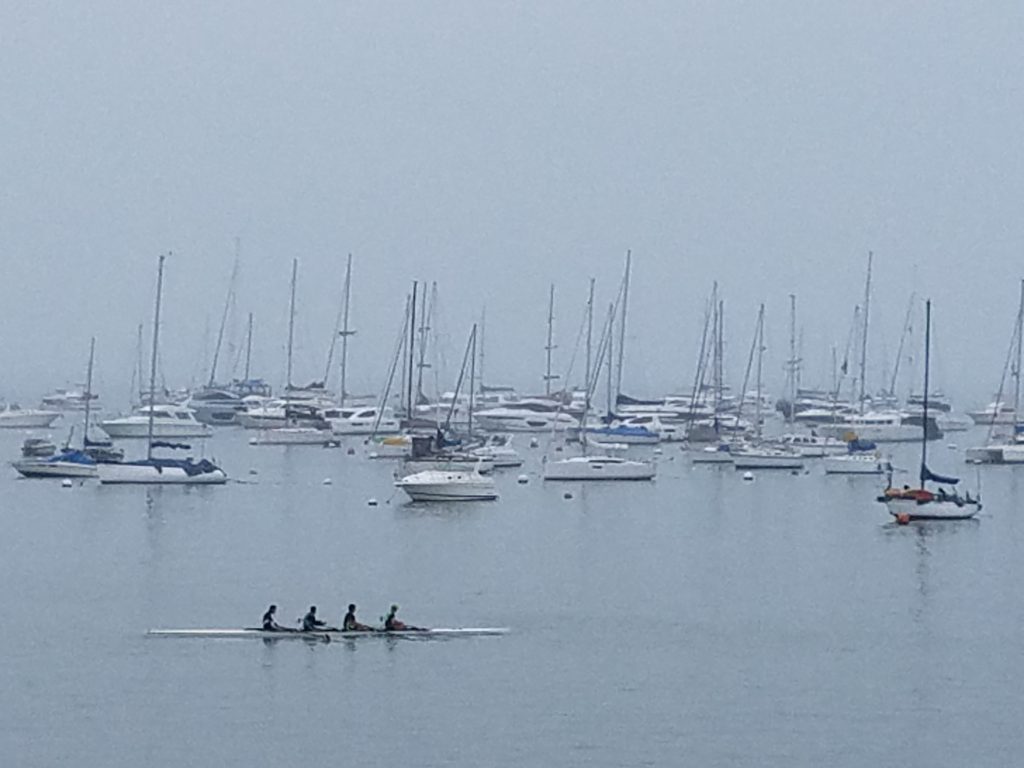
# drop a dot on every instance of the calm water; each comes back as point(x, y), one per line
point(698, 620)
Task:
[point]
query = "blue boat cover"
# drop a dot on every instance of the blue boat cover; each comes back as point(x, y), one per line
point(927, 474)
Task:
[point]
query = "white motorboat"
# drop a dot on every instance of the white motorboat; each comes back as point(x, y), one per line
point(15, 417)
point(169, 421)
point(856, 464)
point(766, 457)
point(996, 412)
point(162, 472)
point(70, 400)
point(365, 420)
point(525, 418)
point(38, 448)
point(448, 485)
point(68, 463)
point(599, 468)
point(879, 427)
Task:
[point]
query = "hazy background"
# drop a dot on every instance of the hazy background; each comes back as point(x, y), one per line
point(495, 148)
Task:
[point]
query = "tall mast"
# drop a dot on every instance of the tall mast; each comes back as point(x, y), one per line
point(345, 330)
point(720, 358)
point(611, 333)
point(152, 363)
point(760, 352)
point(137, 374)
point(248, 348)
point(483, 326)
point(429, 308)
point(291, 326)
point(549, 347)
point(899, 348)
point(472, 385)
point(793, 362)
point(411, 353)
point(224, 315)
point(88, 392)
point(1017, 373)
point(622, 326)
point(864, 337)
point(590, 335)
point(924, 409)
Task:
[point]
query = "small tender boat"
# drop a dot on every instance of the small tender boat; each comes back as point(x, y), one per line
point(327, 634)
point(856, 464)
point(448, 485)
point(599, 468)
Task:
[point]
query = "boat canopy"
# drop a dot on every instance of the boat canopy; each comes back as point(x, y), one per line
point(927, 474)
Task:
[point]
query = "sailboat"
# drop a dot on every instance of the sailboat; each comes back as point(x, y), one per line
point(908, 504)
point(301, 424)
point(156, 471)
point(590, 467)
point(761, 455)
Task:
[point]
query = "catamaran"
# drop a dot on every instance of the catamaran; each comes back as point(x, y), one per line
point(908, 504)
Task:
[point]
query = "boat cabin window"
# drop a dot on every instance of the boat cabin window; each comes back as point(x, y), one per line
point(184, 415)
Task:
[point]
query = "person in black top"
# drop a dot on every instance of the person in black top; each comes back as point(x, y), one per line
point(310, 623)
point(269, 623)
point(350, 624)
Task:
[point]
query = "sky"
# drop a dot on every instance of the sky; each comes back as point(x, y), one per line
point(497, 148)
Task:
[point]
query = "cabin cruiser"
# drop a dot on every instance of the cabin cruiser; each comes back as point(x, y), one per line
point(15, 417)
point(527, 416)
point(498, 449)
point(217, 407)
point(169, 421)
point(448, 485)
point(882, 427)
point(38, 447)
point(272, 414)
point(68, 464)
point(69, 400)
point(361, 420)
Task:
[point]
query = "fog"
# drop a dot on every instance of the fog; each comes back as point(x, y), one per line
point(496, 148)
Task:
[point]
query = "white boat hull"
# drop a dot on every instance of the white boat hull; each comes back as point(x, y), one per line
point(129, 473)
point(454, 485)
point(294, 436)
point(932, 510)
point(767, 461)
point(27, 419)
point(43, 468)
point(161, 431)
point(855, 465)
point(598, 468)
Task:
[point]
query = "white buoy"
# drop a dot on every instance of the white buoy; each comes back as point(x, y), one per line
point(657, 450)
point(952, 446)
point(523, 479)
point(66, 482)
point(373, 454)
point(371, 502)
point(534, 442)
point(327, 481)
point(748, 476)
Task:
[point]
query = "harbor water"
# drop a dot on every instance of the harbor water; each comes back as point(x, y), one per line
point(699, 619)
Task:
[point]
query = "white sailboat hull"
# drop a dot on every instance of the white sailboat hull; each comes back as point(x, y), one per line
point(767, 460)
point(130, 473)
point(294, 436)
point(598, 468)
point(855, 465)
point(133, 428)
point(932, 510)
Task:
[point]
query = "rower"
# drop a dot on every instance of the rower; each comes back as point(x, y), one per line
point(391, 624)
point(269, 622)
point(310, 623)
point(350, 624)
